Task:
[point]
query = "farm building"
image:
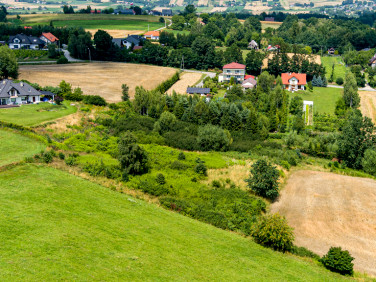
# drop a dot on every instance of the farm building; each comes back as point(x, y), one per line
point(235, 70)
point(198, 90)
point(331, 51)
point(49, 38)
point(22, 41)
point(12, 93)
point(124, 12)
point(269, 19)
point(294, 81)
point(153, 35)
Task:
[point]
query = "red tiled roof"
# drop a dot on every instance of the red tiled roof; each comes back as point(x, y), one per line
point(152, 33)
point(234, 66)
point(249, 76)
point(50, 36)
point(301, 77)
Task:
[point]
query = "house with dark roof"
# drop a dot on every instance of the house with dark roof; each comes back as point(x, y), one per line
point(294, 81)
point(269, 19)
point(155, 13)
point(135, 40)
point(124, 12)
point(331, 51)
point(12, 93)
point(235, 70)
point(167, 12)
point(372, 61)
point(198, 90)
point(49, 38)
point(22, 41)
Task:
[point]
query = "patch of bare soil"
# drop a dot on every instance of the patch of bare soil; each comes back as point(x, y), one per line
point(327, 209)
point(104, 79)
point(368, 104)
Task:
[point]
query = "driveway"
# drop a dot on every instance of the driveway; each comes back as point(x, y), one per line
point(69, 57)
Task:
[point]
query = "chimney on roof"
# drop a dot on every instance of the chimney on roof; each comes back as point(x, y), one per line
point(21, 83)
point(4, 81)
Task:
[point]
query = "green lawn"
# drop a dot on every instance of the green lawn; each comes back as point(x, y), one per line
point(324, 98)
point(56, 226)
point(103, 21)
point(29, 115)
point(339, 67)
point(15, 147)
point(110, 24)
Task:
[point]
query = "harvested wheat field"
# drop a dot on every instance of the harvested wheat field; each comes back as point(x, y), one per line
point(186, 79)
point(116, 33)
point(368, 104)
point(104, 79)
point(328, 209)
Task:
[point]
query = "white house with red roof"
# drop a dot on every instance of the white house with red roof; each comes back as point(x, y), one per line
point(153, 35)
point(49, 38)
point(294, 81)
point(235, 70)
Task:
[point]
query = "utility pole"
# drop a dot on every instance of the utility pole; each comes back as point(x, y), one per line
point(182, 63)
point(148, 26)
point(89, 55)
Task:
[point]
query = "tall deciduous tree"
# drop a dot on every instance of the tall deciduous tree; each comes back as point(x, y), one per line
point(358, 134)
point(253, 62)
point(350, 91)
point(8, 63)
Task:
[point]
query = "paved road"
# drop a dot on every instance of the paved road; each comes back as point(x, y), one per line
point(367, 88)
point(70, 58)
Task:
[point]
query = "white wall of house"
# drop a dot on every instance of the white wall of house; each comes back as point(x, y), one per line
point(26, 46)
point(238, 74)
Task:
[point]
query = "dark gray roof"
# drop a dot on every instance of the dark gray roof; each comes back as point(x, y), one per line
point(49, 93)
point(124, 11)
point(249, 80)
point(373, 59)
point(198, 90)
point(24, 39)
point(167, 12)
point(117, 41)
point(135, 39)
point(22, 88)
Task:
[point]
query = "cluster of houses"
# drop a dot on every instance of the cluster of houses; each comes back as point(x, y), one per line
point(22, 41)
point(236, 72)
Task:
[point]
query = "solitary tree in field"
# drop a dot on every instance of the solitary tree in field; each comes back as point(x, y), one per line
point(8, 63)
point(350, 91)
point(125, 92)
point(264, 180)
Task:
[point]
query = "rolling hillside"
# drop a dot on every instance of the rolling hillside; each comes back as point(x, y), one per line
point(55, 226)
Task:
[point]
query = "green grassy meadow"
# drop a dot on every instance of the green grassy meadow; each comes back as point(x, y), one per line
point(339, 67)
point(29, 115)
point(56, 226)
point(324, 98)
point(15, 147)
point(94, 21)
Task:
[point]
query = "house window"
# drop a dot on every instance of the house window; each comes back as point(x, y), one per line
point(13, 100)
point(16, 46)
point(228, 71)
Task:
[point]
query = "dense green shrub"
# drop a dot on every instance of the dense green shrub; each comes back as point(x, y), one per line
point(339, 80)
point(153, 188)
point(264, 179)
point(181, 156)
point(179, 165)
point(165, 123)
point(47, 157)
point(71, 160)
point(98, 168)
point(61, 156)
point(94, 100)
point(181, 140)
point(211, 137)
point(133, 159)
point(133, 123)
point(164, 86)
point(62, 60)
point(304, 252)
point(338, 261)
point(160, 179)
point(273, 231)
